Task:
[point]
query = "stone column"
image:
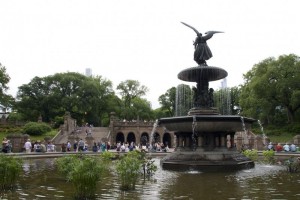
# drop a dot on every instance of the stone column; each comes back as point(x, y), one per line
point(89, 140)
point(259, 143)
point(239, 142)
point(200, 141)
point(223, 141)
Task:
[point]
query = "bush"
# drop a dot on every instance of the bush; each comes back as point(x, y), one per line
point(36, 128)
point(10, 170)
point(129, 170)
point(251, 154)
point(84, 172)
point(269, 156)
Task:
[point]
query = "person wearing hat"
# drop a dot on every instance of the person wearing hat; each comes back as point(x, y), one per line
point(27, 146)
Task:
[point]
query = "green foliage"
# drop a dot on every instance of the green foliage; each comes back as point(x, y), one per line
point(269, 156)
point(84, 172)
point(130, 89)
point(131, 166)
point(168, 102)
point(58, 120)
point(36, 128)
point(86, 98)
point(10, 170)
point(129, 170)
point(252, 154)
point(5, 99)
point(15, 117)
point(271, 91)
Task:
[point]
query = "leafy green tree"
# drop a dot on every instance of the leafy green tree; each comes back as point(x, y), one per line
point(272, 86)
point(168, 102)
point(133, 105)
point(86, 98)
point(5, 99)
point(131, 89)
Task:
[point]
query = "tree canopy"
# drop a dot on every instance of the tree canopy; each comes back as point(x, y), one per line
point(168, 102)
point(5, 100)
point(272, 88)
point(86, 98)
point(133, 105)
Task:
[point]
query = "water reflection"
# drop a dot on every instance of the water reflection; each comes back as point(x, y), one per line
point(41, 181)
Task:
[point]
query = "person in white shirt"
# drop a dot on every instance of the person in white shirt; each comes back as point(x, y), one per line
point(286, 147)
point(28, 146)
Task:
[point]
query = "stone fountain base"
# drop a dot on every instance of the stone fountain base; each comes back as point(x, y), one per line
point(219, 159)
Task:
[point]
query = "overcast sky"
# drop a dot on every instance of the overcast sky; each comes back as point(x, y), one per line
point(142, 39)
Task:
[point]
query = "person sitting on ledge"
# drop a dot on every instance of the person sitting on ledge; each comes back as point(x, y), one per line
point(286, 147)
point(279, 147)
point(293, 147)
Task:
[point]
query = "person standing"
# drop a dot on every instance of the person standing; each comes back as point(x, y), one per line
point(28, 146)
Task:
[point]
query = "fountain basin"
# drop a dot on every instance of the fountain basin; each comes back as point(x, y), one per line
point(206, 123)
point(209, 73)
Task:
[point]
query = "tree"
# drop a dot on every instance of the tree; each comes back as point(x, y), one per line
point(86, 98)
point(5, 99)
point(130, 91)
point(168, 102)
point(272, 86)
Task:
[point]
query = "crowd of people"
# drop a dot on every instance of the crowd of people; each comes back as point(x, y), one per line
point(38, 146)
point(283, 148)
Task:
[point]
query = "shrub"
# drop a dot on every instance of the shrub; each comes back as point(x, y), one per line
point(129, 170)
point(84, 172)
point(269, 156)
point(36, 128)
point(252, 154)
point(10, 170)
point(131, 166)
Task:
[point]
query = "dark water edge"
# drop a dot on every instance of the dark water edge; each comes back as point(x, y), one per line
point(41, 181)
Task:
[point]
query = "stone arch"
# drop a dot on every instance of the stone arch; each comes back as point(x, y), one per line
point(167, 139)
point(156, 137)
point(120, 137)
point(144, 138)
point(131, 137)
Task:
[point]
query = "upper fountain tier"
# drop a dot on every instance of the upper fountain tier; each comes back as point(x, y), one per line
point(202, 73)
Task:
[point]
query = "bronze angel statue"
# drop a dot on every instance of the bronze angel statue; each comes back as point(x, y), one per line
point(202, 51)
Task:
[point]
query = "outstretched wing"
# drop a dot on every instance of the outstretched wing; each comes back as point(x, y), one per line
point(209, 34)
point(191, 28)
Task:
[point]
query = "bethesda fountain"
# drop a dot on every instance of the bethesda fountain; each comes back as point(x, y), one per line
point(204, 137)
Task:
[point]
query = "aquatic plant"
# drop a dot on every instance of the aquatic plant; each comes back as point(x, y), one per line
point(268, 156)
point(148, 166)
point(83, 171)
point(252, 154)
point(131, 166)
point(10, 170)
point(129, 170)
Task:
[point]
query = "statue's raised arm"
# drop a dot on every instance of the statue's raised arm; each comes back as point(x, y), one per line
point(202, 51)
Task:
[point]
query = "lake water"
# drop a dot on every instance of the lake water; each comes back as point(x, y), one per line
point(41, 181)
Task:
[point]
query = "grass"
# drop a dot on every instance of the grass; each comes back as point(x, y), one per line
point(50, 134)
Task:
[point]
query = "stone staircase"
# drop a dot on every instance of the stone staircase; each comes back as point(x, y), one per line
point(97, 133)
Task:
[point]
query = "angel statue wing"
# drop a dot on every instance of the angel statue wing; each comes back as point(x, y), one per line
point(197, 32)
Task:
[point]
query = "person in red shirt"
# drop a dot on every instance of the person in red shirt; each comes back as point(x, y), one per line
point(279, 147)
